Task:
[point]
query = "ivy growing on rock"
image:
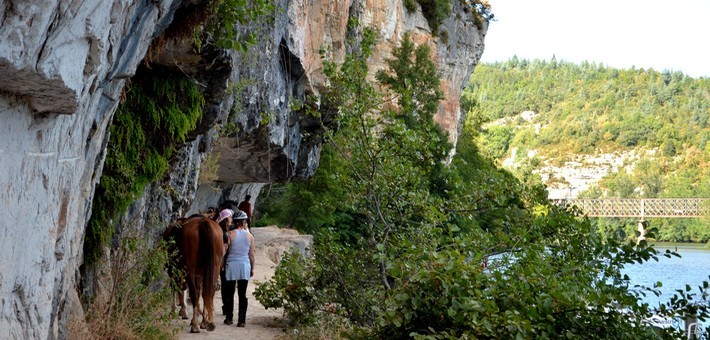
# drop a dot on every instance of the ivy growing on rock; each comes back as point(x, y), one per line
point(159, 111)
point(435, 11)
point(228, 13)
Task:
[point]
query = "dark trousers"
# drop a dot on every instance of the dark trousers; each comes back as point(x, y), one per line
point(228, 288)
point(222, 283)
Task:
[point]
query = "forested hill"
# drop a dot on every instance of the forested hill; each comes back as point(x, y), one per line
point(588, 108)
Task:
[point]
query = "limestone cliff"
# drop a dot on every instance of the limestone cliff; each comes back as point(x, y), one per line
point(285, 65)
point(63, 67)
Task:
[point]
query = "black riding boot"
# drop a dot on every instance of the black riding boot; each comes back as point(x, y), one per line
point(242, 292)
point(242, 316)
point(228, 302)
point(222, 280)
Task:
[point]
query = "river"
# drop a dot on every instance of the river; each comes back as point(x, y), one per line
point(693, 267)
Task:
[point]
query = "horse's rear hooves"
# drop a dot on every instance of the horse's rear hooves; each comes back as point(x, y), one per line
point(211, 327)
point(194, 330)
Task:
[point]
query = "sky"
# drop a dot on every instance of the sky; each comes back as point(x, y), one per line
point(663, 35)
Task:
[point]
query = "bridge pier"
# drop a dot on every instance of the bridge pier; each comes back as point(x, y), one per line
point(642, 230)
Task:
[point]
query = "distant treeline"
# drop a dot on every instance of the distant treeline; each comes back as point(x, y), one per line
point(588, 107)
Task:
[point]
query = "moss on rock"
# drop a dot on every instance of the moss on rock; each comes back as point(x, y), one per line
point(159, 111)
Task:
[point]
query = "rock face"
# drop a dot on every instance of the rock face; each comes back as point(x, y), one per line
point(63, 66)
point(286, 66)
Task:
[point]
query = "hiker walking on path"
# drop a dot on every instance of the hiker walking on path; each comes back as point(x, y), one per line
point(245, 206)
point(239, 268)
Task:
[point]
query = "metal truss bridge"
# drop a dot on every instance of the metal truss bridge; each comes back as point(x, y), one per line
point(641, 207)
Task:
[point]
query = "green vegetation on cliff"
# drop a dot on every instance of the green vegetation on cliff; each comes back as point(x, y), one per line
point(159, 111)
point(435, 11)
point(227, 13)
point(407, 247)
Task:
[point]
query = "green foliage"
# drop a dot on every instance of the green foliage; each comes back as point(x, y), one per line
point(481, 11)
point(408, 247)
point(687, 230)
point(410, 5)
point(321, 202)
point(587, 108)
point(435, 11)
point(158, 113)
point(138, 305)
point(413, 79)
point(541, 290)
point(228, 13)
point(385, 156)
point(353, 160)
point(331, 281)
point(590, 106)
point(497, 141)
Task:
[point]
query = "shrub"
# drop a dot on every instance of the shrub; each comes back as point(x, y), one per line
point(435, 11)
point(138, 305)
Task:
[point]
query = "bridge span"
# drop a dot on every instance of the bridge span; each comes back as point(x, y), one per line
point(641, 207)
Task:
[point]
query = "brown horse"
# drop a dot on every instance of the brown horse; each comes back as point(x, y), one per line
point(200, 247)
point(175, 266)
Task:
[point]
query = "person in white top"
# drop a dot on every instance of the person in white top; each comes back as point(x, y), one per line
point(224, 219)
point(239, 268)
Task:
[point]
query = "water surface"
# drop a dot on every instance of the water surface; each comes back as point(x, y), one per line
point(692, 268)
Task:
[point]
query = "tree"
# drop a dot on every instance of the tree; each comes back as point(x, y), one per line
point(484, 257)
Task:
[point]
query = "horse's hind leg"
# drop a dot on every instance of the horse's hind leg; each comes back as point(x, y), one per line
point(205, 322)
point(194, 328)
point(194, 296)
point(201, 291)
point(175, 298)
point(181, 302)
point(208, 316)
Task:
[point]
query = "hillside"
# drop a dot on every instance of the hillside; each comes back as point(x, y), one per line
point(620, 133)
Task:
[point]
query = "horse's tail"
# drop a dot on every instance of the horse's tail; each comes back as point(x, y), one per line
point(207, 254)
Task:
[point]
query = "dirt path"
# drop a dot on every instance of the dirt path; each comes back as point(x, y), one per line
point(270, 244)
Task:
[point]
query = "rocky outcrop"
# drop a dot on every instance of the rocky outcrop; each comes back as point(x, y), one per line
point(275, 242)
point(275, 144)
point(286, 65)
point(63, 66)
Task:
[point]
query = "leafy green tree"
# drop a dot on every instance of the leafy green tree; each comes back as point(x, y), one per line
point(586, 108)
point(621, 185)
point(669, 148)
point(649, 176)
point(497, 142)
point(484, 257)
